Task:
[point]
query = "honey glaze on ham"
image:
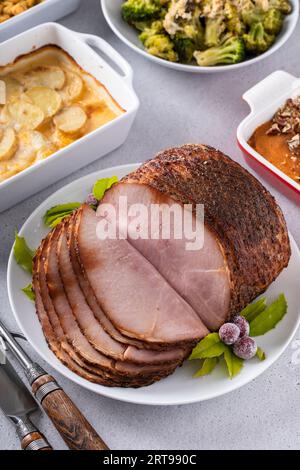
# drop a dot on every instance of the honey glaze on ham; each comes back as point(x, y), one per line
point(128, 312)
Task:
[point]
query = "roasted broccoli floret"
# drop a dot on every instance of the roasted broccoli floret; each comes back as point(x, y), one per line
point(189, 38)
point(258, 40)
point(211, 8)
point(141, 25)
point(231, 51)
point(154, 27)
point(284, 6)
point(214, 29)
point(158, 43)
point(253, 15)
point(273, 21)
point(141, 10)
point(271, 18)
point(182, 23)
point(183, 18)
point(185, 48)
point(234, 22)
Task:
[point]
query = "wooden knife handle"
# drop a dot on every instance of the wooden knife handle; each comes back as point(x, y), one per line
point(35, 441)
point(31, 438)
point(73, 427)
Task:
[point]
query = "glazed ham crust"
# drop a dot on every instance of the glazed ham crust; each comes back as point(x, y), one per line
point(245, 218)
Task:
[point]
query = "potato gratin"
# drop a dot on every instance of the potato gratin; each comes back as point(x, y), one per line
point(46, 103)
point(11, 8)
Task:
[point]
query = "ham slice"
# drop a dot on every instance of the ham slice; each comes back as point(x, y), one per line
point(64, 311)
point(54, 334)
point(89, 294)
point(201, 277)
point(71, 325)
point(123, 374)
point(153, 311)
point(92, 329)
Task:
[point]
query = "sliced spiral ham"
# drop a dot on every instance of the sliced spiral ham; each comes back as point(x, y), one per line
point(127, 312)
point(92, 328)
point(153, 311)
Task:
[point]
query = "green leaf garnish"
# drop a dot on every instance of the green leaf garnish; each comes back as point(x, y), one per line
point(210, 346)
point(260, 354)
point(253, 310)
point(23, 254)
point(208, 366)
point(57, 213)
point(269, 318)
point(262, 319)
point(101, 186)
point(29, 292)
point(234, 364)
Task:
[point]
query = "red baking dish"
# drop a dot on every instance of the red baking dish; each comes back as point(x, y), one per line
point(264, 100)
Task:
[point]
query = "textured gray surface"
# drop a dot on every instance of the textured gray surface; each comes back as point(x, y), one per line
point(178, 108)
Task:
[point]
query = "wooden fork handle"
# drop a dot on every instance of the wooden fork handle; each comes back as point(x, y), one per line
point(73, 427)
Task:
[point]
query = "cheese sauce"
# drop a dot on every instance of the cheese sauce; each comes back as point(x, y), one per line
point(47, 101)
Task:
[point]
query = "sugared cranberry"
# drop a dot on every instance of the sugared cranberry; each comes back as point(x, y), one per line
point(91, 200)
point(243, 325)
point(245, 348)
point(229, 333)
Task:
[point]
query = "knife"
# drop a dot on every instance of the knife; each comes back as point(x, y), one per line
point(17, 404)
point(73, 427)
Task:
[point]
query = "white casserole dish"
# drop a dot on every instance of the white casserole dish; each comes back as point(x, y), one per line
point(92, 146)
point(48, 10)
point(264, 100)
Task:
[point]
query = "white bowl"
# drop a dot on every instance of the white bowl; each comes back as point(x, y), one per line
point(181, 387)
point(264, 100)
point(48, 10)
point(92, 146)
point(127, 34)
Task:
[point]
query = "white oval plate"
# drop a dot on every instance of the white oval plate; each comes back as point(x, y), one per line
point(181, 387)
point(127, 34)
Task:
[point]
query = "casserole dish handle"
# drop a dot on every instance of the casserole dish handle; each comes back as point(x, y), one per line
point(270, 89)
point(111, 53)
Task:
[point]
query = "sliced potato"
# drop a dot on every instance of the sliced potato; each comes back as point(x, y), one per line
point(73, 88)
point(2, 92)
point(4, 115)
point(25, 115)
point(61, 139)
point(71, 120)
point(31, 140)
point(91, 101)
point(8, 144)
point(13, 88)
point(44, 153)
point(48, 76)
point(45, 98)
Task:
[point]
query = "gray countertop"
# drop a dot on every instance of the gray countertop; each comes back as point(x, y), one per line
point(177, 108)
